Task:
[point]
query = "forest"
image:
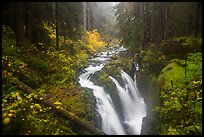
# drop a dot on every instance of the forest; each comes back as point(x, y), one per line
point(102, 68)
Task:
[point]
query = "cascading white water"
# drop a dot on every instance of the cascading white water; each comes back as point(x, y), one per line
point(133, 106)
point(110, 120)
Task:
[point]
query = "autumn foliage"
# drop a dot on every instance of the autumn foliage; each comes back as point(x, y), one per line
point(94, 40)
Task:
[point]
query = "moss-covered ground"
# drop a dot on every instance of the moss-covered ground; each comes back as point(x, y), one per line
point(181, 95)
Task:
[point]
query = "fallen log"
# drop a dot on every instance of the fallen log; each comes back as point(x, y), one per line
point(60, 111)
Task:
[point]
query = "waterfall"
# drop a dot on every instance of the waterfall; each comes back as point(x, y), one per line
point(134, 108)
point(110, 120)
point(132, 104)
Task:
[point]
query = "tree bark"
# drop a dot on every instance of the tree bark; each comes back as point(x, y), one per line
point(197, 19)
point(156, 23)
point(162, 20)
point(27, 22)
point(84, 11)
point(142, 29)
point(166, 24)
point(89, 16)
point(53, 10)
point(153, 26)
point(19, 28)
point(57, 25)
point(60, 111)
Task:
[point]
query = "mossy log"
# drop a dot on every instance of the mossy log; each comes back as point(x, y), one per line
point(60, 111)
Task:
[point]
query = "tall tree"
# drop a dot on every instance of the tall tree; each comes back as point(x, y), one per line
point(57, 25)
point(142, 30)
point(35, 16)
point(155, 23)
point(166, 20)
point(89, 15)
point(19, 28)
point(84, 14)
point(197, 18)
point(28, 23)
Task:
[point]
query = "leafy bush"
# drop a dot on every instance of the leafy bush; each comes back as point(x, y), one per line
point(152, 61)
point(181, 98)
point(94, 39)
point(23, 113)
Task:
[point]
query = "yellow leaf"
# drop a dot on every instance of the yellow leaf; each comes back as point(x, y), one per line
point(17, 94)
point(12, 111)
point(29, 96)
point(10, 115)
point(194, 82)
point(35, 96)
point(31, 106)
point(37, 105)
point(6, 120)
point(58, 103)
point(19, 98)
point(4, 115)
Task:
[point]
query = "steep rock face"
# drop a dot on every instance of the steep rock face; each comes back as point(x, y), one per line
point(150, 90)
point(146, 126)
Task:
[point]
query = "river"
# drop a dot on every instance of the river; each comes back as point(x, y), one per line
point(129, 120)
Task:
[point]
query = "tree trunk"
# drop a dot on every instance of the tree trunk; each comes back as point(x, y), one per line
point(162, 21)
point(156, 23)
point(142, 29)
point(60, 111)
point(166, 24)
point(57, 25)
point(89, 16)
point(153, 24)
point(197, 19)
point(84, 11)
point(19, 28)
point(53, 9)
point(190, 19)
point(28, 24)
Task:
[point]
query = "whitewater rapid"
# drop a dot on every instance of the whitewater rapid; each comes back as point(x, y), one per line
point(133, 106)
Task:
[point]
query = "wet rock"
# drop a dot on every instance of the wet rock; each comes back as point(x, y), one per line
point(149, 124)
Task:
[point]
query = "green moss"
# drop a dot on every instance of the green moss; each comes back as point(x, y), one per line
point(104, 78)
point(172, 73)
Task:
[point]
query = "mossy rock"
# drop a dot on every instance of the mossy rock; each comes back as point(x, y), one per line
point(172, 74)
